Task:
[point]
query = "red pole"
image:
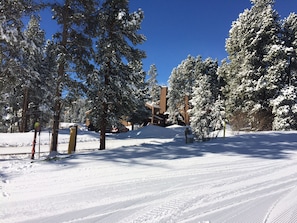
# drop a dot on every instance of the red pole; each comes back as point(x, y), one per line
point(34, 143)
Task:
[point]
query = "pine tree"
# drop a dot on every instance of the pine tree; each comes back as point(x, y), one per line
point(200, 112)
point(12, 44)
point(48, 78)
point(290, 42)
point(206, 106)
point(181, 82)
point(31, 83)
point(285, 109)
point(210, 69)
point(154, 88)
point(114, 82)
point(174, 102)
point(73, 53)
point(218, 114)
point(285, 103)
point(256, 64)
point(140, 113)
point(75, 111)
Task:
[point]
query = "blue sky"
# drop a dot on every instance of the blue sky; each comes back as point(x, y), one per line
point(175, 28)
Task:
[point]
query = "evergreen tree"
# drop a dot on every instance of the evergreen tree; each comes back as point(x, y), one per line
point(140, 113)
point(202, 104)
point(210, 69)
point(30, 83)
point(114, 82)
point(285, 109)
point(290, 43)
point(218, 114)
point(181, 82)
point(256, 64)
point(48, 78)
point(12, 42)
point(174, 102)
point(206, 105)
point(73, 53)
point(75, 111)
point(153, 87)
point(285, 104)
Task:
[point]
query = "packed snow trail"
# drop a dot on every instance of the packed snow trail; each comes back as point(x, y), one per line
point(225, 180)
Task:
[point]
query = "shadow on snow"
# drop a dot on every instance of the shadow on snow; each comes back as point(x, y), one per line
point(266, 146)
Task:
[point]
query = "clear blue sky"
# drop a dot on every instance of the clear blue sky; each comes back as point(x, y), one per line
point(175, 28)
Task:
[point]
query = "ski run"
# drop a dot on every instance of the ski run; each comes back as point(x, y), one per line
point(150, 175)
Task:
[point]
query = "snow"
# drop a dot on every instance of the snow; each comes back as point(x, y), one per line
point(121, 15)
point(151, 175)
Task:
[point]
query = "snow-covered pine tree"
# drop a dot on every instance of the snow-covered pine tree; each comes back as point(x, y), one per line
point(114, 82)
point(218, 114)
point(154, 90)
point(181, 82)
point(174, 101)
point(140, 113)
point(218, 109)
point(153, 87)
point(201, 106)
point(210, 69)
point(285, 104)
point(75, 111)
point(11, 40)
point(31, 82)
point(290, 42)
point(256, 65)
point(206, 113)
point(48, 77)
point(285, 109)
point(73, 52)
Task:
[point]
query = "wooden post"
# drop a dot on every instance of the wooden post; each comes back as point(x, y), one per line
point(72, 140)
point(36, 129)
point(163, 101)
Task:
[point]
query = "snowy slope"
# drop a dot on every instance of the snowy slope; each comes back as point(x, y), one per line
point(151, 175)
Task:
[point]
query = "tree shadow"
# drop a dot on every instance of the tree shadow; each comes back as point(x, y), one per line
point(274, 145)
point(264, 146)
point(3, 177)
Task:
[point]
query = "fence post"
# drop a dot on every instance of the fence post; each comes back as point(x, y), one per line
point(72, 140)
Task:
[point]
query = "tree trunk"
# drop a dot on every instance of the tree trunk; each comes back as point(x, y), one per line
point(153, 112)
point(103, 122)
point(55, 130)
point(60, 80)
point(187, 119)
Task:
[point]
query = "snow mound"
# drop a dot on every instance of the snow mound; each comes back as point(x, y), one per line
point(151, 131)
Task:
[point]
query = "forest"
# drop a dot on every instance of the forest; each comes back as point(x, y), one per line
point(254, 88)
point(93, 63)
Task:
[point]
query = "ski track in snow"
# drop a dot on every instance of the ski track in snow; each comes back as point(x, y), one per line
point(150, 180)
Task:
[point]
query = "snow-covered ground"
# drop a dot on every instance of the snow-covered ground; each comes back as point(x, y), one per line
point(151, 175)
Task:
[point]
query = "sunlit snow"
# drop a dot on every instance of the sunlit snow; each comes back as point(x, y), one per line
point(151, 175)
